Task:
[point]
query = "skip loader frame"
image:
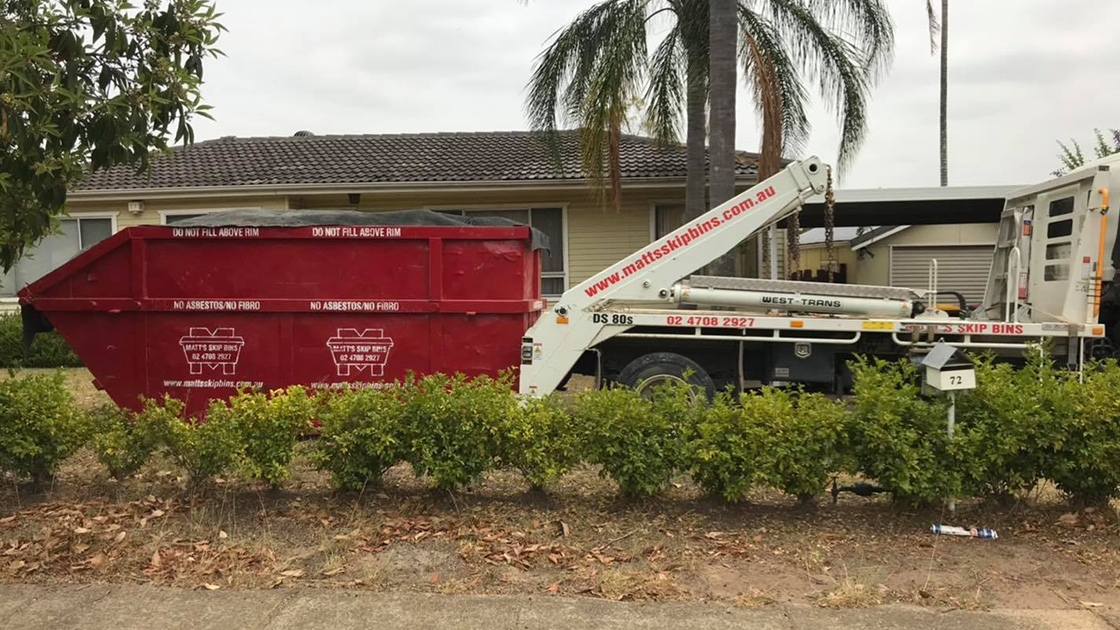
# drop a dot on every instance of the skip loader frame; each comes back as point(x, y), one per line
point(647, 318)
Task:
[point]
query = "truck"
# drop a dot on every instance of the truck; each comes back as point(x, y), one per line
point(650, 319)
point(228, 301)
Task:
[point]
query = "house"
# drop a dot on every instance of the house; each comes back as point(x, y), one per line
point(508, 174)
point(956, 226)
point(516, 175)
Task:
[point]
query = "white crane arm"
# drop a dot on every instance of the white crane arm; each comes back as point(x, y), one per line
point(553, 345)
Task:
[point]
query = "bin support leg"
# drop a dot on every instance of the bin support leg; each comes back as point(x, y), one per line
point(952, 423)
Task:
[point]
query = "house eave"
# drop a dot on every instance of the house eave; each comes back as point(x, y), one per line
point(265, 190)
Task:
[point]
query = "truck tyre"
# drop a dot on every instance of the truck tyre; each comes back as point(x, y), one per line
point(661, 368)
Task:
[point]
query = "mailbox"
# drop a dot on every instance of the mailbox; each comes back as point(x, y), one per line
point(948, 369)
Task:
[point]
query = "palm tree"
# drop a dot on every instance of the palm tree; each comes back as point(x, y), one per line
point(595, 68)
point(598, 66)
point(723, 39)
point(934, 28)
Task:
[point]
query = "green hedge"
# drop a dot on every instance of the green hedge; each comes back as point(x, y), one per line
point(1017, 427)
point(48, 350)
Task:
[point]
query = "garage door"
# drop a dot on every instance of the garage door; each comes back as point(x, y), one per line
point(962, 268)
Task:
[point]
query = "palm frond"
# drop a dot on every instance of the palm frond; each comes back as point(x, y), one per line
point(589, 75)
point(779, 96)
point(865, 23)
point(837, 65)
point(934, 26)
point(665, 95)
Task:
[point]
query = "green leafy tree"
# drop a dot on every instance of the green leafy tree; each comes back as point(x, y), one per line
point(87, 85)
point(597, 67)
point(1072, 157)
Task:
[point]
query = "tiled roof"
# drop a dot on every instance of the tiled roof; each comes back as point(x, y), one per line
point(400, 158)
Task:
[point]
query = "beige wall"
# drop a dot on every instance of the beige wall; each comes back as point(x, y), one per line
point(815, 256)
point(152, 209)
point(873, 265)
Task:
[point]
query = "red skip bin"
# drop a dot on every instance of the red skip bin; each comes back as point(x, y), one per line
point(197, 312)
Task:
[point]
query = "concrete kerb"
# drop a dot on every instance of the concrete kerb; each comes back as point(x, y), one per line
point(129, 607)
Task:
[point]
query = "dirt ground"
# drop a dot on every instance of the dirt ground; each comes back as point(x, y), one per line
point(579, 538)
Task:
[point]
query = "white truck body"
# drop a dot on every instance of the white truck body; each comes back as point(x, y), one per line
point(631, 310)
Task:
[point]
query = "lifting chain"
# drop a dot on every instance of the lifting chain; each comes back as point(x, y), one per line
point(793, 237)
point(829, 225)
point(764, 243)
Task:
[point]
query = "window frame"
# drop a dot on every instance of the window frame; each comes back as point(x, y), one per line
point(178, 212)
point(564, 275)
point(112, 216)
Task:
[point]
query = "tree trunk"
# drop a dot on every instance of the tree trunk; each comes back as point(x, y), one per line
point(695, 201)
point(944, 92)
point(723, 40)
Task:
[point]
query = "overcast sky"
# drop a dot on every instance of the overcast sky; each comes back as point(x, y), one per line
point(1022, 74)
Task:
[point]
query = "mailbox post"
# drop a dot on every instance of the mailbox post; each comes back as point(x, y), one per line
point(948, 369)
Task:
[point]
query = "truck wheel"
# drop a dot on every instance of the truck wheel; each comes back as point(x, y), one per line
point(661, 368)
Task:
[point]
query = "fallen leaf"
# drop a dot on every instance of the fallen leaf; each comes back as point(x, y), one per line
point(211, 587)
point(156, 560)
point(16, 565)
point(713, 535)
point(8, 519)
point(81, 530)
point(97, 560)
point(119, 537)
point(1091, 604)
point(80, 548)
point(435, 578)
point(564, 530)
point(555, 586)
point(1069, 519)
point(333, 572)
point(222, 534)
point(156, 514)
point(294, 573)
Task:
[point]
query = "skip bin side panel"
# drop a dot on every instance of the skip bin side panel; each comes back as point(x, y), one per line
point(332, 349)
point(287, 269)
point(480, 344)
point(107, 344)
point(493, 270)
point(199, 356)
point(109, 263)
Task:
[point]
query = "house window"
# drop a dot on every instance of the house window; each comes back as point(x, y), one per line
point(550, 221)
point(168, 219)
point(666, 218)
point(74, 235)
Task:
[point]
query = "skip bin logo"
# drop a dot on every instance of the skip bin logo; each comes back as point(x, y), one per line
point(218, 348)
point(353, 350)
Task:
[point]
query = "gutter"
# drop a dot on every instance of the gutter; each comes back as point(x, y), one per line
point(258, 190)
